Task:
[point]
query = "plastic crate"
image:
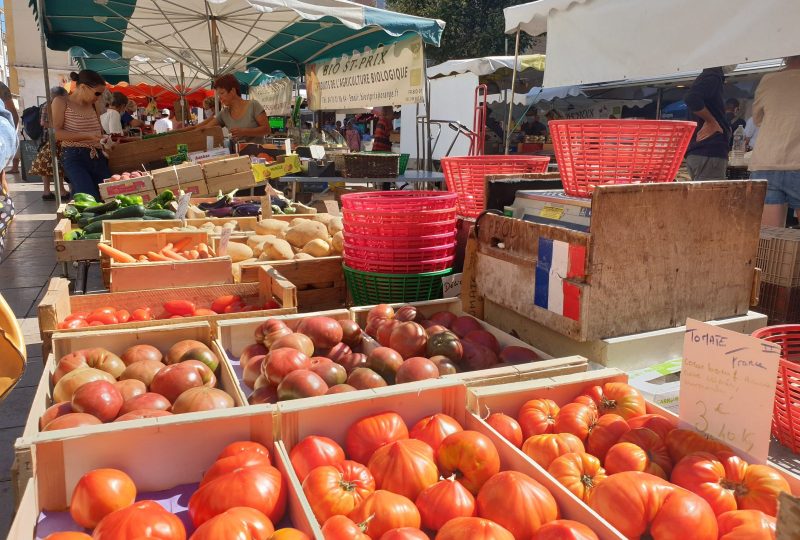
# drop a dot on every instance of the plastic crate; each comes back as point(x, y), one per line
point(780, 304)
point(466, 176)
point(406, 230)
point(398, 255)
point(396, 217)
point(779, 256)
point(593, 153)
point(372, 264)
point(399, 201)
point(412, 241)
point(786, 414)
point(375, 288)
point(402, 164)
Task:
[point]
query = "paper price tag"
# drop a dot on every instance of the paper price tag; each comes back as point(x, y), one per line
point(332, 207)
point(183, 205)
point(552, 212)
point(728, 387)
point(451, 286)
point(224, 238)
point(266, 207)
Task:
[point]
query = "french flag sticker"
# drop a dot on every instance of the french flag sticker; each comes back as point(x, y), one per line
point(559, 261)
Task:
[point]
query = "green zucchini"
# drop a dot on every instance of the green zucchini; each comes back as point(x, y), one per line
point(159, 214)
point(129, 212)
point(93, 236)
point(93, 228)
point(110, 206)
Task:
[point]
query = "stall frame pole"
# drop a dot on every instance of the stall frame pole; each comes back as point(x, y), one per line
point(51, 133)
point(513, 90)
point(426, 96)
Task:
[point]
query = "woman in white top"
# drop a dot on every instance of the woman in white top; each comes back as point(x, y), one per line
point(111, 120)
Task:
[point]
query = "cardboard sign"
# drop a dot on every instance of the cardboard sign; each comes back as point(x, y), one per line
point(728, 387)
point(183, 206)
point(275, 97)
point(451, 286)
point(266, 207)
point(332, 207)
point(224, 238)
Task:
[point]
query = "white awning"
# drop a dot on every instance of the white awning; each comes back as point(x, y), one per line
point(593, 41)
point(486, 65)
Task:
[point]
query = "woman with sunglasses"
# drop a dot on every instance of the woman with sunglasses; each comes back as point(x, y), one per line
point(244, 118)
point(77, 124)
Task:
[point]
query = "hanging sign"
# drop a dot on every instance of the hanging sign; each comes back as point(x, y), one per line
point(275, 97)
point(391, 75)
point(728, 387)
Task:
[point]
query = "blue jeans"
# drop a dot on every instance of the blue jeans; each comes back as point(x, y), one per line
point(782, 186)
point(83, 171)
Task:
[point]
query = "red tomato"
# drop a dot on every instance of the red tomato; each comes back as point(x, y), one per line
point(242, 446)
point(746, 525)
point(537, 417)
point(98, 493)
point(260, 487)
point(240, 523)
point(74, 323)
point(405, 467)
point(471, 456)
point(434, 429)
point(576, 419)
point(108, 310)
point(578, 472)
point(383, 511)
point(651, 443)
point(203, 312)
point(219, 304)
point(142, 315)
point(605, 434)
point(123, 315)
point(543, 449)
point(682, 442)
point(626, 456)
point(337, 489)
point(342, 528)
point(443, 501)
point(97, 323)
point(371, 432)
point(271, 304)
point(653, 422)
point(728, 482)
point(289, 533)
point(143, 519)
point(179, 307)
point(77, 315)
point(517, 502)
point(229, 464)
point(473, 528)
point(404, 533)
point(236, 307)
point(174, 317)
point(102, 318)
point(618, 398)
point(68, 536)
point(312, 452)
point(636, 503)
point(507, 427)
point(564, 529)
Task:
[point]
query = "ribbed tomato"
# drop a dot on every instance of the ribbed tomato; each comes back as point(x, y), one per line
point(142, 519)
point(231, 463)
point(543, 449)
point(312, 452)
point(728, 482)
point(564, 529)
point(404, 533)
point(434, 429)
point(239, 523)
point(576, 419)
point(383, 511)
point(618, 398)
point(507, 427)
point(637, 503)
point(337, 489)
point(289, 533)
point(260, 487)
point(473, 528)
point(627, 456)
point(98, 493)
point(746, 525)
point(68, 535)
point(342, 528)
point(517, 502)
point(682, 442)
point(405, 467)
point(651, 443)
point(471, 456)
point(537, 417)
point(371, 432)
point(242, 446)
point(654, 422)
point(443, 501)
point(578, 472)
point(605, 434)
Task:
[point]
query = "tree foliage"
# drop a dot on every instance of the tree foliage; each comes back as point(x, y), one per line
point(475, 28)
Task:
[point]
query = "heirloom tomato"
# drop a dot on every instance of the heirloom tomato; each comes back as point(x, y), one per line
point(605, 434)
point(537, 417)
point(578, 472)
point(98, 493)
point(238, 523)
point(473, 528)
point(405, 467)
point(746, 525)
point(313, 452)
point(434, 429)
point(651, 443)
point(564, 529)
point(443, 501)
point(507, 427)
point(337, 489)
point(471, 456)
point(543, 449)
point(371, 432)
point(682, 442)
point(517, 502)
point(142, 519)
point(342, 528)
point(383, 511)
point(618, 398)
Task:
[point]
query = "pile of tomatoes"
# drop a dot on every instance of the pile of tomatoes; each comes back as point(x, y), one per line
point(241, 496)
point(172, 309)
point(389, 482)
point(642, 474)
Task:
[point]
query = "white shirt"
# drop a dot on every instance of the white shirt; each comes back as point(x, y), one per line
point(162, 125)
point(751, 132)
point(111, 122)
point(776, 111)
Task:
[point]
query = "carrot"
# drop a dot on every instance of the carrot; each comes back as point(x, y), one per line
point(193, 254)
point(172, 255)
point(202, 246)
point(153, 256)
point(182, 244)
point(115, 254)
point(203, 254)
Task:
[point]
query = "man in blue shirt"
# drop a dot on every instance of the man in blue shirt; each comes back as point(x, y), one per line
point(707, 155)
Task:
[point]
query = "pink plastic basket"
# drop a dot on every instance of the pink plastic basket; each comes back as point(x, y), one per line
point(593, 153)
point(786, 413)
point(394, 255)
point(405, 230)
point(399, 201)
point(466, 176)
point(383, 241)
point(406, 217)
point(388, 267)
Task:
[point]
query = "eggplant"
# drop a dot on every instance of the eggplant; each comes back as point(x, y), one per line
point(279, 202)
point(250, 209)
point(225, 211)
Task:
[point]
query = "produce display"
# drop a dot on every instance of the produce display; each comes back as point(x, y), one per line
point(640, 472)
point(321, 355)
point(227, 205)
point(180, 250)
point(432, 479)
point(171, 309)
point(242, 495)
point(89, 214)
point(95, 386)
point(302, 238)
point(125, 176)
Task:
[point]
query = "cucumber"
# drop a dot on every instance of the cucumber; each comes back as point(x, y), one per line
point(93, 228)
point(110, 206)
point(129, 212)
point(159, 214)
point(92, 236)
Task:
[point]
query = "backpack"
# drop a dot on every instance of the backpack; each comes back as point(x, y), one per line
point(32, 122)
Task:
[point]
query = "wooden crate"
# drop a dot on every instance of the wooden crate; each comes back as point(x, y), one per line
point(244, 224)
point(656, 254)
point(165, 275)
point(139, 243)
point(132, 186)
point(57, 303)
point(130, 156)
point(185, 449)
point(117, 341)
point(228, 166)
point(320, 282)
point(330, 416)
point(72, 250)
point(179, 174)
point(509, 398)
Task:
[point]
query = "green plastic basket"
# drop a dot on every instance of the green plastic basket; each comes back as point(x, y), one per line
point(367, 288)
point(402, 162)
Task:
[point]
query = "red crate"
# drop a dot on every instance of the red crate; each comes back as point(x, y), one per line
point(398, 267)
point(383, 241)
point(399, 201)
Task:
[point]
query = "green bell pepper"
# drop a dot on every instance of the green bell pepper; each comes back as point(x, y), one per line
point(83, 197)
point(161, 200)
point(71, 213)
point(129, 200)
point(74, 234)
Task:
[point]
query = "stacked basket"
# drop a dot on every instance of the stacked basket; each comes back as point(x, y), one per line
point(398, 244)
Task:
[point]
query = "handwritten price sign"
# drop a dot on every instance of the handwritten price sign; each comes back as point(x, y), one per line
point(728, 387)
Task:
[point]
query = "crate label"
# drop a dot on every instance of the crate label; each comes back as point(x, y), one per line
point(451, 286)
point(552, 212)
point(224, 238)
point(266, 207)
point(183, 206)
point(332, 207)
point(728, 387)
point(558, 263)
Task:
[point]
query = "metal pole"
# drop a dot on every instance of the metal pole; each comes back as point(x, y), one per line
point(513, 89)
point(214, 59)
point(427, 97)
point(51, 133)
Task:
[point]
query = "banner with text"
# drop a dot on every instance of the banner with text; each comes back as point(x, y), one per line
point(390, 75)
point(275, 97)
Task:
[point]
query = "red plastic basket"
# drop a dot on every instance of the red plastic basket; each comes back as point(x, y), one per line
point(786, 414)
point(383, 241)
point(399, 201)
point(466, 176)
point(593, 153)
point(416, 217)
point(389, 267)
point(399, 229)
point(394, 255)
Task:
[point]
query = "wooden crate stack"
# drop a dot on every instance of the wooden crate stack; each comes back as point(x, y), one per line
point(779, 260)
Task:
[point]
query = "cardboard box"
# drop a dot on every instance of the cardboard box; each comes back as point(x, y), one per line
point(196, 188)
point(109, 190)
point(242, 180)
point(660, 383)
point(208, 155)
point(170, 176)
point(289, 165)
point(226, 167)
